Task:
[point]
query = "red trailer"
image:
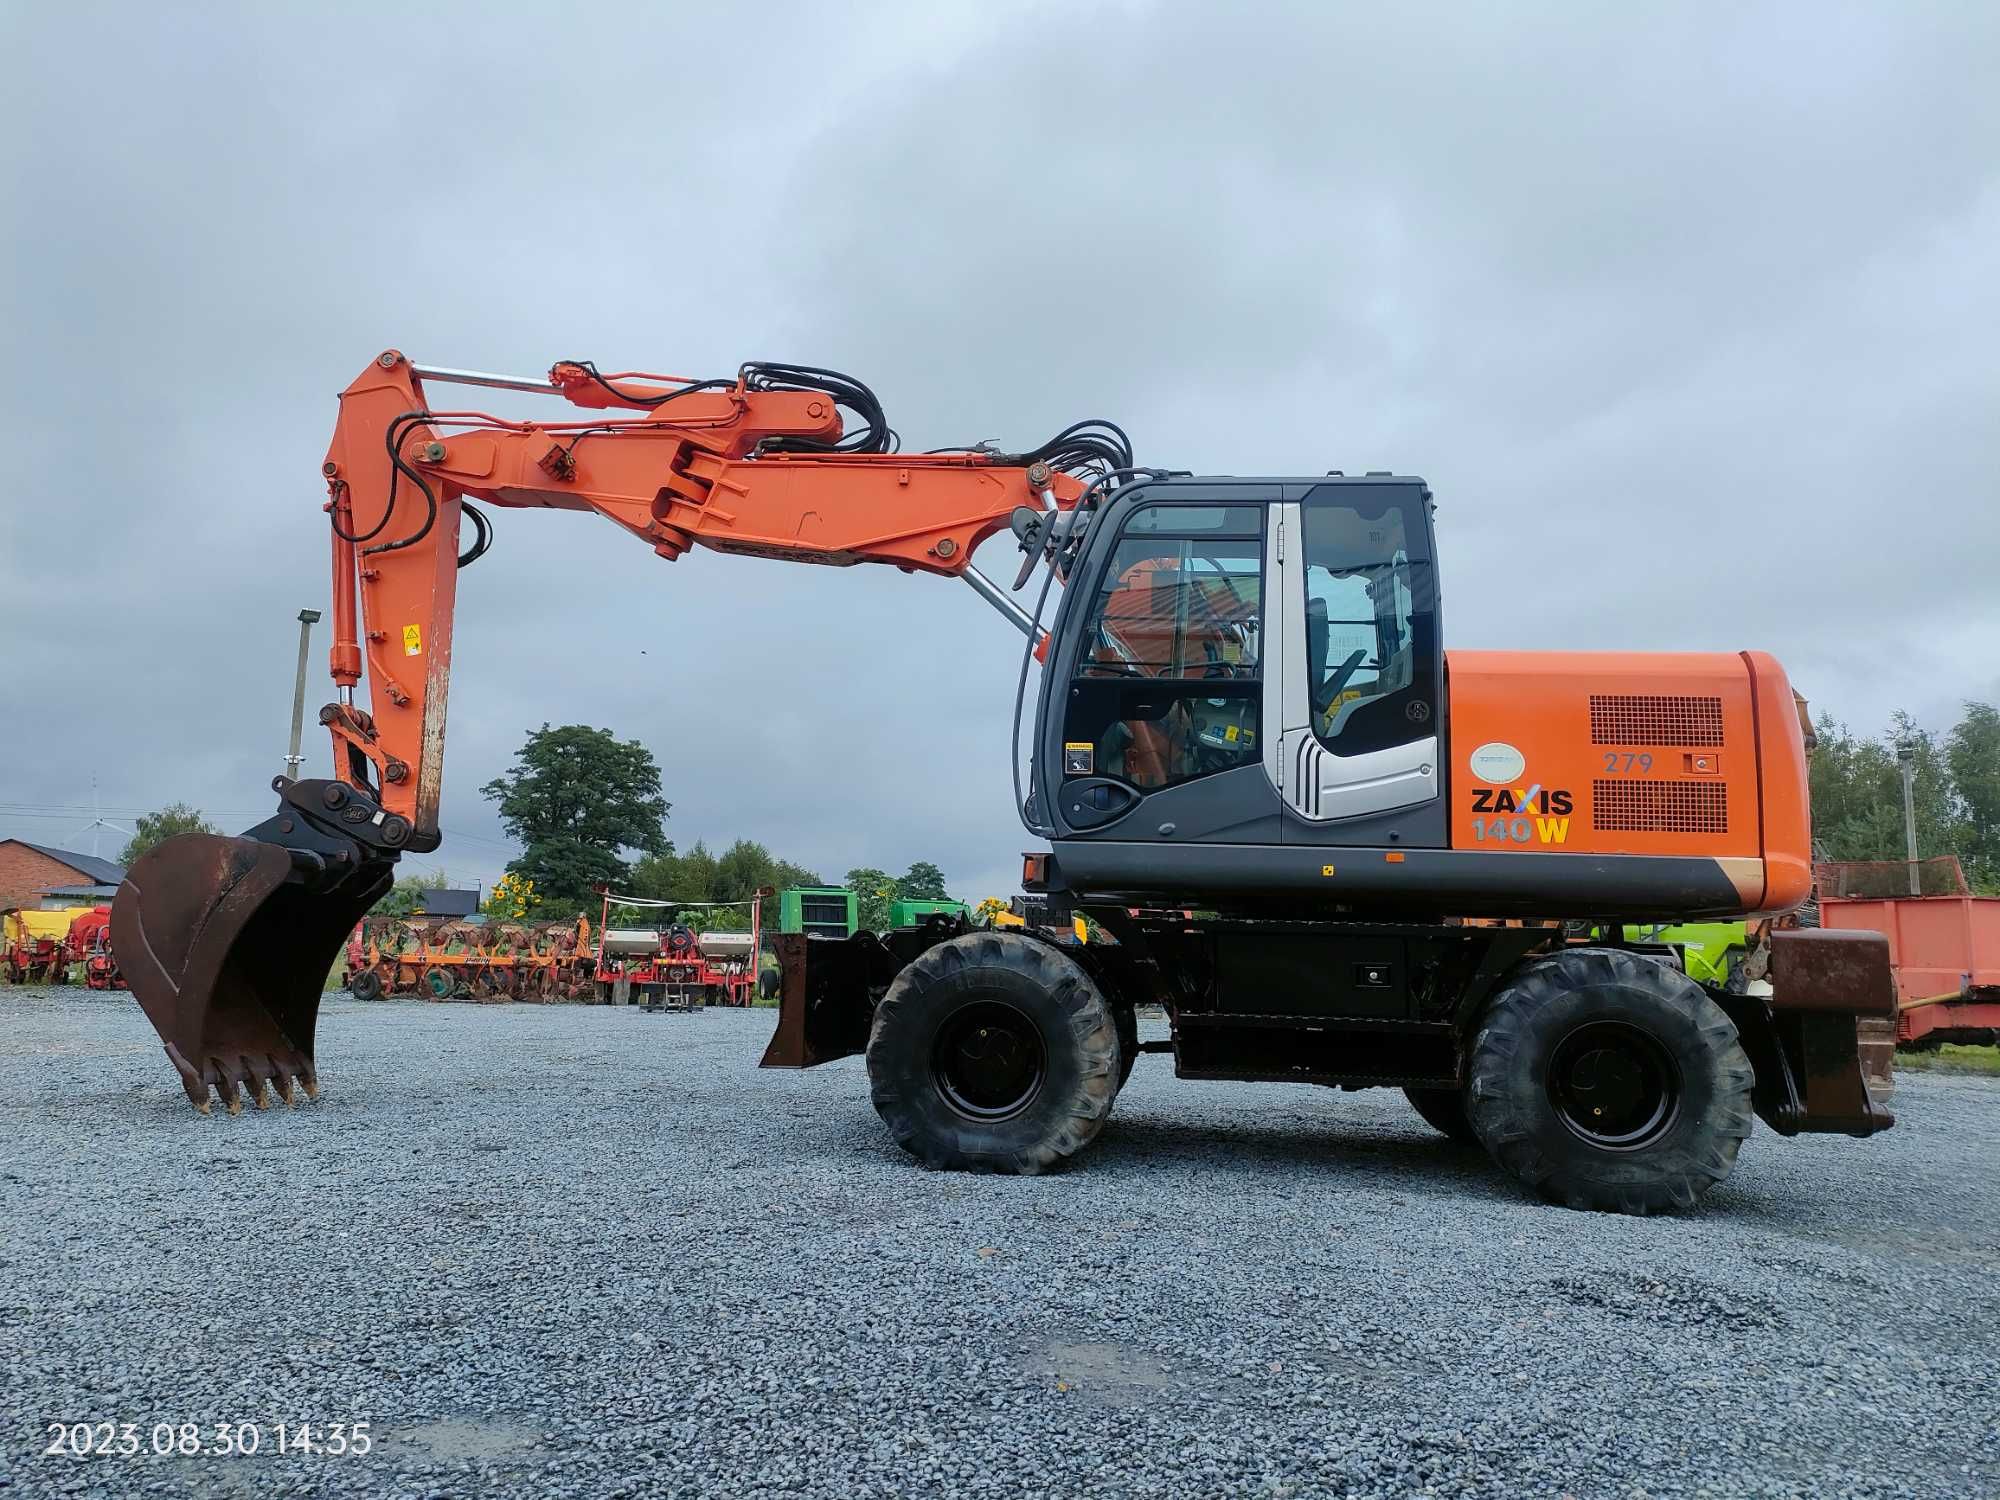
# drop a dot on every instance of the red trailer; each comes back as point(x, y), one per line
point(1944, 944)
point(88, 946)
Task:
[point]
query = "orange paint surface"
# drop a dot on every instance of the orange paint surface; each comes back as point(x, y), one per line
point(1663, 753)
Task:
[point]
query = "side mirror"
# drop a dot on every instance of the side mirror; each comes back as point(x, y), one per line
point(1031, 527)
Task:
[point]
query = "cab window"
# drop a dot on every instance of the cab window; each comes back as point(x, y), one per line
point(1168, 686)
point(1370, 623)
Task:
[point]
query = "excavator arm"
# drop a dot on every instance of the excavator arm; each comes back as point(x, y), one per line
point(739, 469)
point(226, 941)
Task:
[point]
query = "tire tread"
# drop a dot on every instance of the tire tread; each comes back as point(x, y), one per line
point(1674, 1178)
point(1093, 1033)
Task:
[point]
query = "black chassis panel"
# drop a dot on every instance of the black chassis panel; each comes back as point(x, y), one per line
point(1309, 881)
point(1350, 1003)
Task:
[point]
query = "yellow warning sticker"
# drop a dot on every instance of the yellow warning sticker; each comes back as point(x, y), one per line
point(413, 641)
point(1231, 733)
point(1326, 869)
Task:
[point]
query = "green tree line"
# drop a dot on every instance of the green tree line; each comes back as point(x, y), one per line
point(1857, 792)
point(699, 877)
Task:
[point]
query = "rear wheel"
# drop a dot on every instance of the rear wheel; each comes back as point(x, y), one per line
point(1606, 1080)
point(1444, 1110)
point(993, 1052)
point(367, 985)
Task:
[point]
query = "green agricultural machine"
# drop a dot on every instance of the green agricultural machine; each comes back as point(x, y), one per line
point(911, 913)
point(1709, 951)
point(824, 910)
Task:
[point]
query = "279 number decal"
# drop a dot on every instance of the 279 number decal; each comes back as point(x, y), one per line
point(1626, 763)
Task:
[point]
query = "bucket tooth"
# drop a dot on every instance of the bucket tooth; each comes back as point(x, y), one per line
point(233, 1078)
point(191, 1084)
point(261, 1073)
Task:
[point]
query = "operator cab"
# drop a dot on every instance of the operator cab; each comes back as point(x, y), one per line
point(1247, 663)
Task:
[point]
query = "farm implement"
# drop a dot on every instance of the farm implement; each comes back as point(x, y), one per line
point(549, 961)
point(57, 947)
point(674, 966)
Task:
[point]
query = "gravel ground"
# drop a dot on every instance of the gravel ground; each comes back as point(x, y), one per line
point(595, 1252)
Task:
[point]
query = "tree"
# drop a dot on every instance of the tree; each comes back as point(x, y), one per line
point(873, 891)
point(747, 867)
point(575, 798)
point(156, 827)
point(1857, 792)
point(923, 882)
point(735, 875)
point(785, 875)
point(1972, 752)
point(741, 869)
point(675, 876)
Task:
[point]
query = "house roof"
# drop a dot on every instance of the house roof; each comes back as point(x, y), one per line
point(447, 903)
point(103, 871)
point(80, 892)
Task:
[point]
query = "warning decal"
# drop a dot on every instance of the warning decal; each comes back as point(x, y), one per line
point(413, 641)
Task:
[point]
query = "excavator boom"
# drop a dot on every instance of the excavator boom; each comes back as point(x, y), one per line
point(226, 941)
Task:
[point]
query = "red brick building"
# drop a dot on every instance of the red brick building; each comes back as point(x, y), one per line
point(34, 876)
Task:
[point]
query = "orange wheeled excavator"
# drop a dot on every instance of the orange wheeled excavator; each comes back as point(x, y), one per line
point(1331, 851)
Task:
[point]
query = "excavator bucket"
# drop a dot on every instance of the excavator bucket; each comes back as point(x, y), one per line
point(226, 944)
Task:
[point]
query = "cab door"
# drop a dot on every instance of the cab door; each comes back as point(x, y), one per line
point(1358, 758)
point(1166, 681)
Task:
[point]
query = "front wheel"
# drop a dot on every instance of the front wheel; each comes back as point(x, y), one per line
point(993, 1052)
point(1606, 1080)
point(366, 985)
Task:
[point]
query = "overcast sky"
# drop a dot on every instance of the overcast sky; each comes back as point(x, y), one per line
point(1689, 316)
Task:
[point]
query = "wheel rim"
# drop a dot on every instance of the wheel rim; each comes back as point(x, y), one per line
point(1614, 1085)
point(988, 1062)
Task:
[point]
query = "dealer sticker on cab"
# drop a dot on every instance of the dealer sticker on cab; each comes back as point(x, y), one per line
point(1498, 762)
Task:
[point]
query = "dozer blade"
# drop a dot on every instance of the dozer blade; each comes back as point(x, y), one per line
point(226, 943)
point(827, 1001)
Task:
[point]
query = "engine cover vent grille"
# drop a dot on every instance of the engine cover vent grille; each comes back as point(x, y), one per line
point(1659, 806)
point(1647, 719)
